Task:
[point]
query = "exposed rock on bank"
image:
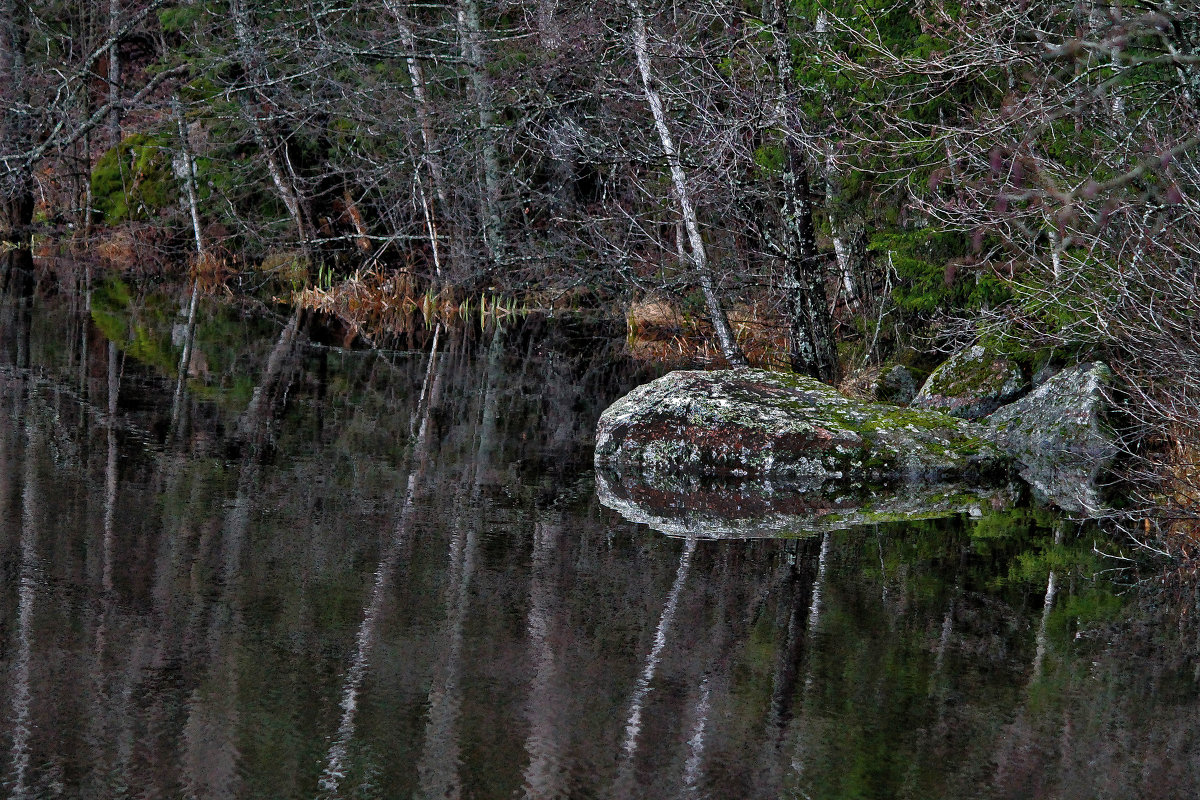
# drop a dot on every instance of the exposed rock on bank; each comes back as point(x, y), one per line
point(758, 423)
point(660, 447)
point(1059, 437)
point(971, 384)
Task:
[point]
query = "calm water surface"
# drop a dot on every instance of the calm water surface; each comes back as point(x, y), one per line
point(309, 572)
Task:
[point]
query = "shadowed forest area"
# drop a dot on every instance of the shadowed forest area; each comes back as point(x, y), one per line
point(827, 186)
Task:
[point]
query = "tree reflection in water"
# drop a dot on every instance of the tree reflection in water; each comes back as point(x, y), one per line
point(381, 574)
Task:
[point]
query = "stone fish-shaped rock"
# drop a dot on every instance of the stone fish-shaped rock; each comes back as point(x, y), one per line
point(759, 423)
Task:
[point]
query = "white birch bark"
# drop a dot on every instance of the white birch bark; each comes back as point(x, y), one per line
point(812, 349)
point(471, 37)
point(189, 183)
point(336, 766)
point(114, 72)
point(696, 251)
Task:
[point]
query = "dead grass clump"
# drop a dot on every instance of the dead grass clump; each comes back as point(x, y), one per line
point(370, 301)
point(211, 270)
point(859, 383)
point(653, 318)
point(1183, 470)
point(133, 248)
point(660, 331)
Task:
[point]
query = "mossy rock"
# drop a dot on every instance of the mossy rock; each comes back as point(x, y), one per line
point(972, 384)
point(896, 385)
point(747, 423)
point(1060, 438)
point(135, 179)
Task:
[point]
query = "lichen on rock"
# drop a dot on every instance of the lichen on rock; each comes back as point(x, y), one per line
point(896, 385)
point(758, 423)
point(971, 384)
point(1059, 437)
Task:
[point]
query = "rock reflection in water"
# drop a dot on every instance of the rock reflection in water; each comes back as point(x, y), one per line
point(389, 575)
point(735, 508)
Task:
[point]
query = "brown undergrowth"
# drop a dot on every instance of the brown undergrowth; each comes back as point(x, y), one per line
point(660, 331)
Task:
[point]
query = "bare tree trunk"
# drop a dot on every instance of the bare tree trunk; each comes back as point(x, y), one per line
point(699, 256)
point(811, 348)
point(281, 177)
point(189, 183)
point(16, 182)
point(433, 212)
point(114, 72)
point(548, 28)
point(470, 36)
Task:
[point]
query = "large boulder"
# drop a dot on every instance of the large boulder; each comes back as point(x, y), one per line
point(971, 384)
point(1059, 437)
point(758, 423)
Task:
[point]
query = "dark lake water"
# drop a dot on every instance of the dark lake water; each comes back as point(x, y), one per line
point(325, 573)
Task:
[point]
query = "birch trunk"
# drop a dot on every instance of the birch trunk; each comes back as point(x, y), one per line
point(472, 47)
point(433, 212)
point(281, 178)
point(697, 253)
point(811, 347)
point(114, 72)
point(189, 184)
point(847, 237)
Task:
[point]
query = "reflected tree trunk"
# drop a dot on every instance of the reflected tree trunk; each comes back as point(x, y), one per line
point(253, 422)
point(693, 765)
point(438, 768)
point(545, 744)
point(1016, 738)
point(1039, 657)
point(337, 758)
point(812, 626)
point(626, 777)
point(210, 733)
point(20, 265)
point(796, 589)
point(20, 680)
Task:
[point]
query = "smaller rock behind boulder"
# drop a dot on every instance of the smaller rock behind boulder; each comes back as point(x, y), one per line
point(1059, 437)
point(971, 384)
point(896, 385)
